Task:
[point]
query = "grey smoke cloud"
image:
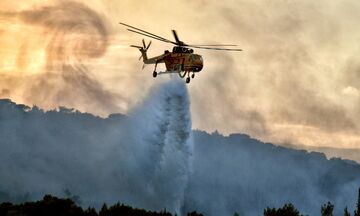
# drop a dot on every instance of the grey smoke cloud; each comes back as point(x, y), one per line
point(222, 99)
point(296, 63)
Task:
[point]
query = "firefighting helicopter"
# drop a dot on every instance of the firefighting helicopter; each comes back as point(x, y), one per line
point(182, 60)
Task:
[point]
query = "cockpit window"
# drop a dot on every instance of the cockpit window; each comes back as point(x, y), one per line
point(195, 57)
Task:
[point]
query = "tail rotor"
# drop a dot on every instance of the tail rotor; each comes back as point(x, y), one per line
point(143, 49)
point(148, 45)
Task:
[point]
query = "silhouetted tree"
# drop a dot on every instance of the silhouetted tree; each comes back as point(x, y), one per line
point(346, 212)
point(104, 210)
point(4, 207)
point(236, 214)
point(194, 213)
point(65, 207)
point(327, 209)
point(90, 212)
point(357, 211)
point(286, 210)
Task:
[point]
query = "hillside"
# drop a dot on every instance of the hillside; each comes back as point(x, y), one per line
point(72, 154)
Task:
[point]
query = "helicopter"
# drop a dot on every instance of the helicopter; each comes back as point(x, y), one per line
point(182, 60)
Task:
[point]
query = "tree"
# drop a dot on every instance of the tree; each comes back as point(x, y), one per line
point(104, 211)
point(90, 212)
point(346, 212)
point(327, 209)
point(194, 213)
point(357, 211)
point(286, 210)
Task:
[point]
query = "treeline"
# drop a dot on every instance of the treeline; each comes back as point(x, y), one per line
point(53, 206)
point(326, 210)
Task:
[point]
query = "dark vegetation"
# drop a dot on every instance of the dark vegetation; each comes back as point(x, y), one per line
point(326, 210)
point(54, 206)
point(288, 210)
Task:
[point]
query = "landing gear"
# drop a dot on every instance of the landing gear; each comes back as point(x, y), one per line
point(182, 75)
point(188, 78)
point(155, 73)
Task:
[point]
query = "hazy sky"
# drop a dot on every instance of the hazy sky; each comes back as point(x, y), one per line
point(297, 80)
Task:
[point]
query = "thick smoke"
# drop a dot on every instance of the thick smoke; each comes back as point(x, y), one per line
point(73, 34)
point(147, 159)
point(240, 174)
point(144, 163)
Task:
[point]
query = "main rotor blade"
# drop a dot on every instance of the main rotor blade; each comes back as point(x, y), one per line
point(178, 42)
point(151, 36)
point(154, 35)
point(176, 36)
point(215, 45)
point(212, 48)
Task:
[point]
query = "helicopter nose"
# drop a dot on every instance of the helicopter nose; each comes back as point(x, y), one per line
point(199, 67)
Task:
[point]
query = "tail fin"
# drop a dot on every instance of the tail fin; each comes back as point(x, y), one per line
point(143, 50)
